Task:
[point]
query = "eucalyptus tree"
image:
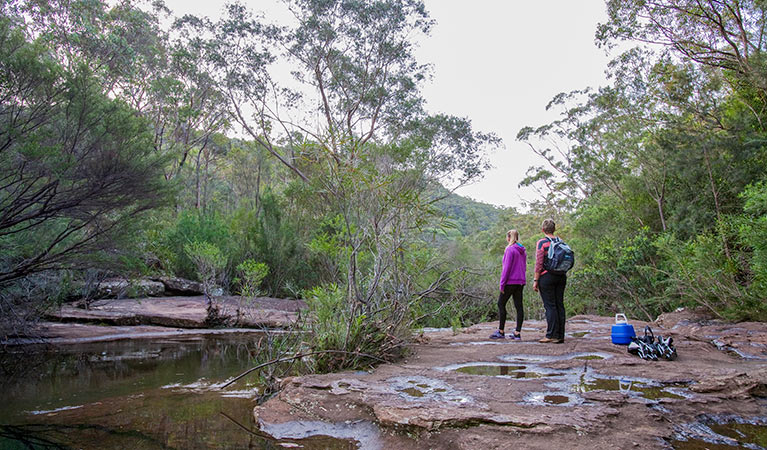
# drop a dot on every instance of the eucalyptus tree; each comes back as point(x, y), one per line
point(725, 34)
point(350, 125)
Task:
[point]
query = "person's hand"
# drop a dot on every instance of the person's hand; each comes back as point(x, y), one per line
point(535, 285)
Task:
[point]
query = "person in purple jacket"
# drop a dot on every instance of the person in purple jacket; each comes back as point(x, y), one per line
point(512, 281)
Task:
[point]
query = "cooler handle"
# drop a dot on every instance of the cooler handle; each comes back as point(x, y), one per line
point(618, 318)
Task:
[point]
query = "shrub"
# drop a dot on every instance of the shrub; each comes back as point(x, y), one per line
point(348, 336)
point(195, 227)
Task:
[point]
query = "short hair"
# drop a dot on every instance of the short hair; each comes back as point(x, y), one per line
point(548, 226)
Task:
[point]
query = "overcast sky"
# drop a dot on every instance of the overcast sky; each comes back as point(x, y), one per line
point(497, 62)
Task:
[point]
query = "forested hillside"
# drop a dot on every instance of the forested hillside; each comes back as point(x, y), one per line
point(135, 143)
point(468, 216)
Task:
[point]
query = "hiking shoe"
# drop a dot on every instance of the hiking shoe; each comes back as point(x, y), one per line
point(558, 341)
point(515, 337)
point(546, 340)
point(497, 335)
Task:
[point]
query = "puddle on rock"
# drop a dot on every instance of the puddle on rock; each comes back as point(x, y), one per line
point(553, 398)
point(576, 382)
point(316, 434)
point(500, 370)
point(556, 399)
point(624, 385)
point(744, 433)
point(589, 357)
point(419, 388)
point(543, 359)
point(721, 432)
point(579, 334)
point(643, 388)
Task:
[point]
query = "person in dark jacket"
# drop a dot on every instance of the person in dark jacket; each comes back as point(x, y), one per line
point(513, 278)
point(551, 287)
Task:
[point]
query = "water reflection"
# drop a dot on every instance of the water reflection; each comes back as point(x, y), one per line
point(72, 377)
point(133, 394)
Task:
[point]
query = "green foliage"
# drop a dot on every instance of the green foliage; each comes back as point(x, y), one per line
point(348, 336)
point(209, 262)
point(328, 249)
point(470, 216)
point(700, 274)
point(278, 245)
point(752, 237)
point(620, 276)
point(195, 227)
point(252, 273)
point(77, 163)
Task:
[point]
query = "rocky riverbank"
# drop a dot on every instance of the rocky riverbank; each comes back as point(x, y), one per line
point(466, 391)
point(463, 390)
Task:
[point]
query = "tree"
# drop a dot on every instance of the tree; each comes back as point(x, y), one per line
point(351, 128)
point(725, 34)
point(76, 167)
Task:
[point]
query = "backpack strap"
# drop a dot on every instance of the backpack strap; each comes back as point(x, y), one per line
point(552, 242)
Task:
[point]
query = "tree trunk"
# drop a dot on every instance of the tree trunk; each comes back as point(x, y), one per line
point(715, 194)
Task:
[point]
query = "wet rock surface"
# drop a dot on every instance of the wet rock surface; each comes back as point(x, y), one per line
point(111, 319)
point(466, 391)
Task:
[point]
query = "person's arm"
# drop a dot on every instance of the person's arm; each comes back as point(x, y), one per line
point(508, 259)
point(539, 254)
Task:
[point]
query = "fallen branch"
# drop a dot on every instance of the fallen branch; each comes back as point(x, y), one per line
point(299, 356)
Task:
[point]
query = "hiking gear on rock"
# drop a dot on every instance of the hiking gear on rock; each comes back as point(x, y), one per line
point(622, 332)
point(516, 337)
point(497, 335)
point(665, 347)
point(647, 347)
point(560, 257)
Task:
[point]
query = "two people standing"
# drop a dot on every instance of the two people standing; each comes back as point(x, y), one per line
point(551, 285)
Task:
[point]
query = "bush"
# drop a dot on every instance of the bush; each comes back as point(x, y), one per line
point(752, 237)
point(619, 276)
point(700, 274)
point(252, 273)
point(350, 338)
point(195, 227)
point(209, 263)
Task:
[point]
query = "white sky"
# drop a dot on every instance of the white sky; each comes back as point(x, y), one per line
point(498, 63)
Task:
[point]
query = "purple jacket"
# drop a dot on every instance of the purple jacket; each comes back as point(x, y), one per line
point(514, 265)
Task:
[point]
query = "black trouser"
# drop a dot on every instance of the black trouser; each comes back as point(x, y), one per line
point(552, 289)
point(511, 290)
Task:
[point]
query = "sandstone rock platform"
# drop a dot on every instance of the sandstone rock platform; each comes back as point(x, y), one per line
point(466, 391)
point(143, 318)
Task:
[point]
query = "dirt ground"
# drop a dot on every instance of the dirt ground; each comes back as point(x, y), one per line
point(466, 391)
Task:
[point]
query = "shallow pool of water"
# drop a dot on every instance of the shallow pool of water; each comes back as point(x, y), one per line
point(136, 394)
point(626, 386)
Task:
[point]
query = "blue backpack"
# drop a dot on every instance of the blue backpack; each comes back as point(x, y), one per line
point(560, 258)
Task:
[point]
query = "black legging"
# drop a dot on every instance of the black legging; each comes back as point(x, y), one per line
point(511, 290)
